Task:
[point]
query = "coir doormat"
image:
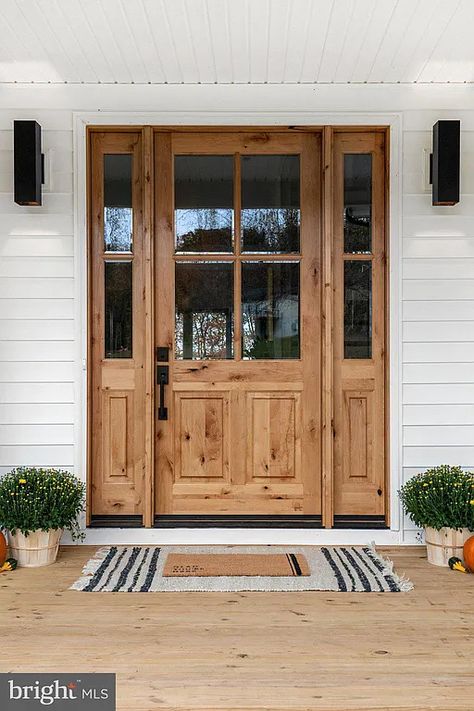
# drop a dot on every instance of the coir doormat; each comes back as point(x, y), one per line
point(146, 569)
point(210, 565)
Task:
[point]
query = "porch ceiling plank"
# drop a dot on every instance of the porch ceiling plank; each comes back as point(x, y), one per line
point(166, 45)
point(404, 22)
point(219, 22)
point(341, 17)
point(190, 23)
point(357, 36)
point(223, 41)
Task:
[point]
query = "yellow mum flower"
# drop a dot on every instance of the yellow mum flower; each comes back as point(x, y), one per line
point(472, 502)
point(22, 481)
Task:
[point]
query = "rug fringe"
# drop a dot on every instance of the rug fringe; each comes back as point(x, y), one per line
point(91, 567)
point(404, 583)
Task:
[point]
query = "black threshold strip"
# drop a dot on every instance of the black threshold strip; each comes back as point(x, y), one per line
point(352, 521)
point(116, 521)
point(237, 521)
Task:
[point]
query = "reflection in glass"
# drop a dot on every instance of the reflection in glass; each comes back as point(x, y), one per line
point(357, 309)
point(270, 310)
point(270, 204)
point(204, 310)
point(357, 203)
point(204, 199)
point(118, 203)
point(118, 309)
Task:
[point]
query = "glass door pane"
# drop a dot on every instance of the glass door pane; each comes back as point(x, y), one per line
point(204, 326)
point(204, 203)
point(271, 204)
point(270, 310)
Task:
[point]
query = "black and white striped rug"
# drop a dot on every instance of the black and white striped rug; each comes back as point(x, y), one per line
point(338, 569)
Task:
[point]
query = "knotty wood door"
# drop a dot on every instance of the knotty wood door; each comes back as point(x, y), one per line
point(359, 323)
point(117, 324)
point(237, 274)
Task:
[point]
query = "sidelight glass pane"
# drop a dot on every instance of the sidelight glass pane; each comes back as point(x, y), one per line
point(204, 202)
point(204, 310)
point(358, 203)
point(118, 203)
point(118, 309)
point(357, 309)
point(270, 204)
point(270, 310)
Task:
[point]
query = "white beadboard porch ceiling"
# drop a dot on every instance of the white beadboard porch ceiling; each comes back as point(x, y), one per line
point(236, 41)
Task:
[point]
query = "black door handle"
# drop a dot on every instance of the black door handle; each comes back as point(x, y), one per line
point(162, 378)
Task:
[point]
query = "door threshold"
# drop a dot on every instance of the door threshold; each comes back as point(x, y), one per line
point(237, 521)
point(365, 521)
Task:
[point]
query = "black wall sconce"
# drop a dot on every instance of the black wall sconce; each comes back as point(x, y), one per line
point(445, 162)
point(28, 163)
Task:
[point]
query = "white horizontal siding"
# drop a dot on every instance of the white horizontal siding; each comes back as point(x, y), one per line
point(37, 414)
point(47, 455)
point(438, 309)
point(426, 415)
point(37, 328)
point(439, 352)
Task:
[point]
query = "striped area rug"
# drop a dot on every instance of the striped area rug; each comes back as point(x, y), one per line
point(336, 569)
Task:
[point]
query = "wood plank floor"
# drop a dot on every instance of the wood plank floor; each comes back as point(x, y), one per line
point(281, 651)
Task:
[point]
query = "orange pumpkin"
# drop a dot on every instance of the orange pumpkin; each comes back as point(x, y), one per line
point(468, 553)
point(3, 548)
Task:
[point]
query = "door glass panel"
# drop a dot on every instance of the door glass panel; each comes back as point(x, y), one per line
point(204, 310)
point(204, 200)
point(118, 203)
point(357, 309)
point(270, 204)
point(358, 203)
point(118, 309)
point(270, 310)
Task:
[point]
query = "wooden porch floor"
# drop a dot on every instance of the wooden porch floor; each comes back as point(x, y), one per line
point(276, 651)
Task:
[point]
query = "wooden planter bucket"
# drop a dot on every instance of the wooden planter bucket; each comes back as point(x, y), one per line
point(38, 549)
point(444, 544)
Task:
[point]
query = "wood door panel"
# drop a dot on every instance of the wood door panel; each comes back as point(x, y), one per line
point(358, 434)
point(118, 439)
point(202, 436)
point(274, 435)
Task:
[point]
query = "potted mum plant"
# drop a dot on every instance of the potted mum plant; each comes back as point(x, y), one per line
point(36, 505)
point(441, 500)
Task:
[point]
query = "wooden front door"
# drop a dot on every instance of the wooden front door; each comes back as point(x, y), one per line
point(237, 323)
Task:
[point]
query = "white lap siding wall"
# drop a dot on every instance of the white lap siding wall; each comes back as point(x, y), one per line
point(40, 376)
point(438, 308)
point(37, 329)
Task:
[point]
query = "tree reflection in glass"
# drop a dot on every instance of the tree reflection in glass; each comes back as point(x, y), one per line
point(270, 310)
point(357, 203)
point(118, 213)
point(204, 324)
point(204, 203)
point(118, 309)
point(270, 204)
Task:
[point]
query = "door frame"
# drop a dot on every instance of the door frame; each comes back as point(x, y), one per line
point(392, 126)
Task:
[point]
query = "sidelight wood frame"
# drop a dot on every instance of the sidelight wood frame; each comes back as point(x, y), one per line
point(327, 306)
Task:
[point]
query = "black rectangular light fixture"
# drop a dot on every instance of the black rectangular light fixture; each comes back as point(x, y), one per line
point(445, 162)
point(28, 162)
